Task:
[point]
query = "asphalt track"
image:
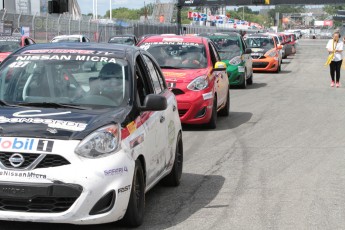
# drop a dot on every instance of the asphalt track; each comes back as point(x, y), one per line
point(278, 161)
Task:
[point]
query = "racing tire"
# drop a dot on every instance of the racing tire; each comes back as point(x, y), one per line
point(225, 112)
point(173, 179)
point(250, 80)
point(278, 69)
point(244, 83)
point(212, 124)
point(135, 211)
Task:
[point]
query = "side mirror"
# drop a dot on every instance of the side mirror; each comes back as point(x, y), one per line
point(279, 47)
point(154, 102)
point(248, 51)
point(219, 66)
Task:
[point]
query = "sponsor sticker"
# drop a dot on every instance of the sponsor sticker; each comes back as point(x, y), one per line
point(124, 189)
point(241, 69)
point(29, 175)
point(207, 96)
point(12, 144)
point(48, 57)
point(131, 127)
point(115, 171)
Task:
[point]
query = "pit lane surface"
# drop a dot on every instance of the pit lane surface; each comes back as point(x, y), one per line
point(277, 163)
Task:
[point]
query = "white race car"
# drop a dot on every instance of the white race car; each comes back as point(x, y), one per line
point(84, 147)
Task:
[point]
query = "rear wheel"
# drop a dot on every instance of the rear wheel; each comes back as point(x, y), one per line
point(135, 211)
point(212, 124)
point(174, 177)
point(250, 80)
point(226, 110)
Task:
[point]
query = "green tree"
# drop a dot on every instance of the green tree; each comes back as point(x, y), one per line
point(332, 9)
point(286, 9)
point(124, 13)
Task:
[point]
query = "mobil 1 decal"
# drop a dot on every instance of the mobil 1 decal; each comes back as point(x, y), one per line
point(18, 144)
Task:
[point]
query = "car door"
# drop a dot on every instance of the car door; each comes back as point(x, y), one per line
point(221, 79)
point(247, 58)
point(155, 125)
point(167, 134)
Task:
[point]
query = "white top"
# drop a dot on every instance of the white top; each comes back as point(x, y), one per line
point(339, 46)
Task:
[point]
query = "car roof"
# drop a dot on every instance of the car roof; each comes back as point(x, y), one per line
point(174, 38)
point(118, 50)
point(69, 36)
point(259, 35)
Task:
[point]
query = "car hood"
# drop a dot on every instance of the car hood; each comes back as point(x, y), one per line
point(63, 124)
point(183, 75)
point(4, 55)
point(260, 50)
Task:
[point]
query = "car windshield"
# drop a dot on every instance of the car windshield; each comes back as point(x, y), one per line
point(66, 40)
point(64, 79)
point(260, 42)
point(9, 46)
point(178, 55)
point(122, 40)
point(228, 47)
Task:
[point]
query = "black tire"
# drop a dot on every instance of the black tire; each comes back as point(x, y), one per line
point(212, 124)
point(225, 112)
point(244, 83)
point(135, 211)
point(278, 69)
point(174, 177)
point(250, 80)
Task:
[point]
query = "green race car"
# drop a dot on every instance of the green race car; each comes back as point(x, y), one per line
point(233, 51)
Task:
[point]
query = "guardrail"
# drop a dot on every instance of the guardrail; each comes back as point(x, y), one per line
point(44, 28)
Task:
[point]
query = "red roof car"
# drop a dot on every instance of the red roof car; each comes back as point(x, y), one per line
point(194, 73)
point(8, 44)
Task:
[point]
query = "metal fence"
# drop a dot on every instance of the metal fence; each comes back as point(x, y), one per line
point(44, 28)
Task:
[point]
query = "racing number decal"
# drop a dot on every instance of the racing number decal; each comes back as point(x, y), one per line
point(45, 146)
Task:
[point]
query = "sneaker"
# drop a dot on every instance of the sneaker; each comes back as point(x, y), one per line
point(332, 84)
point(337, 84)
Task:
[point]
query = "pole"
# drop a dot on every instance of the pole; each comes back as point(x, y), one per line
point(111, 9)
point(3, 4)
point(97, 9)
point(179, 21)
point(93, 9)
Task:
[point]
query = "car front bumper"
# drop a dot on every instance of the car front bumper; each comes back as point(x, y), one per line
point(93, 178)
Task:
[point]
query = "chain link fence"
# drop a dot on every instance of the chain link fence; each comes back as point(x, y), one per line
point(44, 28)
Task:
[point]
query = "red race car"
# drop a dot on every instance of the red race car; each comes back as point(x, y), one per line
point(8, 44)
point(195, 74)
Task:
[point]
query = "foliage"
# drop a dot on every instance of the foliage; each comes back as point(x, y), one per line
point(288, 9)
point(332, 9)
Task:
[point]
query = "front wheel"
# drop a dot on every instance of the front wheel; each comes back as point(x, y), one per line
point(135, 211)
point(250, 80)
point(212, 124)
point(174, 177)
point(244, 82)
point(226, 110)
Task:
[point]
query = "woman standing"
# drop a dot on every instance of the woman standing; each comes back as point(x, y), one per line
point(335, 47)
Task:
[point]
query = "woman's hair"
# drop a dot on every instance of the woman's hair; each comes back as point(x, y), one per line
point(337, 32)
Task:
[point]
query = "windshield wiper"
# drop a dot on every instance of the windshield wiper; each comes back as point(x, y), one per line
point(3, 103)
point(52, 105)
point(170, 67)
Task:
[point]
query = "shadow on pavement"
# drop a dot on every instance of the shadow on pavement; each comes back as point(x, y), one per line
point(223, 123)
point(165, 206)
point(256, 85)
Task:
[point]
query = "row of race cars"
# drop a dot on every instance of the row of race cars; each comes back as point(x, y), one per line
point(86, 129)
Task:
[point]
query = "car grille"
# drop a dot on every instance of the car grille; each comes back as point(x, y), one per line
point(29, 158)
point(50, 160)
point(260, 64)
point(182, 112)
point(177, 91)
point(37, 204)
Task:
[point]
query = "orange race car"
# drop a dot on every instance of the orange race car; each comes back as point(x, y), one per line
point(265, 52)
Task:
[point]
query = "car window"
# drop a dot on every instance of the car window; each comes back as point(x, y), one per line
point(26, 42)
point(83, 39)
point(157, 84)
point(213, 55)
point(66, 79)
point(177, 55)
point(276, 40)
point(144, 87)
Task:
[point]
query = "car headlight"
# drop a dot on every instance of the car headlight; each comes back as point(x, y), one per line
point(100, 143)
point(235, 61)
point(272, 53)
point(198, 83)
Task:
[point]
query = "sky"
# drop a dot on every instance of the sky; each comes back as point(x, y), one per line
point(103, 5)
